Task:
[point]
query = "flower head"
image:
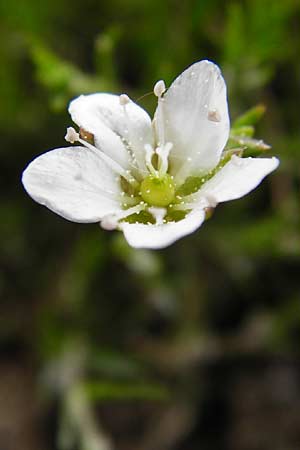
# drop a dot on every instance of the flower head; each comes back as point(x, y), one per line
point(154, 180)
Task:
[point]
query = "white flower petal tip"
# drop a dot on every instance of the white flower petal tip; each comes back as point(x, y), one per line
point(237, 178)
point(68, 182)
point(156, 180)
point(195, 117)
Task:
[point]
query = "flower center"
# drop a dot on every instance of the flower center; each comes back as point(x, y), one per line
point(158, 191)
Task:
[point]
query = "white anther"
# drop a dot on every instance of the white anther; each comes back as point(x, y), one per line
point(236, 160)
point(211, 199)
point(71, 135)
point(159, 88)
point(109, 222)
point(124, 99)
point(214, 115)
point(158, 214)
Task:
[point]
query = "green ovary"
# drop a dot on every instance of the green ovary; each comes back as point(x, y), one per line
point(158, 191)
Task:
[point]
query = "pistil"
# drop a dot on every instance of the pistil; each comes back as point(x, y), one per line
point(158, 191)
point(110, 222)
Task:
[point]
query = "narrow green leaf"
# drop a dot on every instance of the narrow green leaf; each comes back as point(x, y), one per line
point(250, 117)
point(244, 131)
point(108, 390)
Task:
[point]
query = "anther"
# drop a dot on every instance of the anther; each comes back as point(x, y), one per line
point(109, 222)
point(86, 136)
point(124, 99)
point(236, 160)
point(214, 115)
point(211, 199)
point(159, 88)
point(71, 135)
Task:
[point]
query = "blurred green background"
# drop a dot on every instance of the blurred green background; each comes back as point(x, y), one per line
point(104, 347)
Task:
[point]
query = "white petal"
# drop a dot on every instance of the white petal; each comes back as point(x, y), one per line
point(195, 116)
point(238, 177)
point(121, 129)
point(74, 183)
point(160, 236)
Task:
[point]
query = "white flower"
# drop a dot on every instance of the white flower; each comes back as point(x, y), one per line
point(152, 180)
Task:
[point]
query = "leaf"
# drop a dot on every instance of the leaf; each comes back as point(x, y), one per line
point(109, 390)
point(243, 131)
point(250, 117)
point(63, 79)
point(249, 146)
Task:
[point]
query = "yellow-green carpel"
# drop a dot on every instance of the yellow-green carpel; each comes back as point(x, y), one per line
point(158, 191)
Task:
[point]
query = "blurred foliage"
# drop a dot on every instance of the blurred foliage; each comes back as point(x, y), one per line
point(144, 319)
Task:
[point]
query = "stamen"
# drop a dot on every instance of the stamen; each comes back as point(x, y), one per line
point(110, 222)
point(212, 201)
point(87, 136)
point(195, 201)
point(214, 115)
point(72, 136)
point(135, 160)
point(159, 88)
point(124, 99)
point(158, 214)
